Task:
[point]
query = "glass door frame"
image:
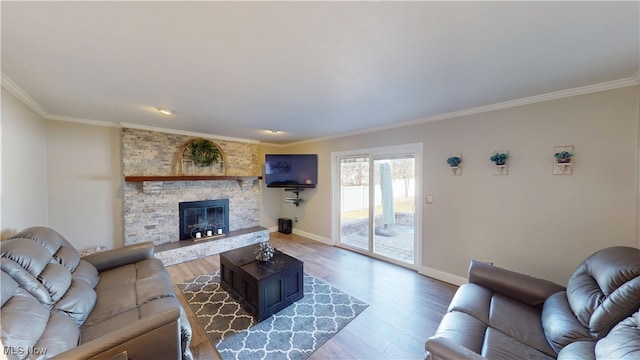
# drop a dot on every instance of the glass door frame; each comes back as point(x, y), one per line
point(414, 149)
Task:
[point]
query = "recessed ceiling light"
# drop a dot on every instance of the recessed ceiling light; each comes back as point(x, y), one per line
point(166, 111)
point(274, 131)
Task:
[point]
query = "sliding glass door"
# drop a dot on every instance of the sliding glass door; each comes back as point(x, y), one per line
point(354, 202)
point(376, 202)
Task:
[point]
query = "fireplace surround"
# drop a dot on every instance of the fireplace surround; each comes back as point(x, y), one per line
point(151, 203)
point(203, 219)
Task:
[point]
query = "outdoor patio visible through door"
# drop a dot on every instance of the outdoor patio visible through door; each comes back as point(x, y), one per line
point(376, 203)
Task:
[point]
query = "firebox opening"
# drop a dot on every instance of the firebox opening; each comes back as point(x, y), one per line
point(202, 219)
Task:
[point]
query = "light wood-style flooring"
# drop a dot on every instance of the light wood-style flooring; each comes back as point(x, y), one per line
point(405, 307)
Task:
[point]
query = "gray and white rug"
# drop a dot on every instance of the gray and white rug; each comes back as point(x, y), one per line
point(293, 333)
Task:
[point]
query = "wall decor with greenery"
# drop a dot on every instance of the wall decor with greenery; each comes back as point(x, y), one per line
point(563, 160)
point(455, 161)
point(204, 152)
point(500, 159)
point(201, 157)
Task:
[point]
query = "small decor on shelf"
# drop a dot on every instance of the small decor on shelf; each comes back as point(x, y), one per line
point(265, 252)
point(563, 157)
point(204, 152)
point(499, 158)
point(454, 161)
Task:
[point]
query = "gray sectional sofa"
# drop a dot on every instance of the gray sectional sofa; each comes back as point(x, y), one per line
point(115, 304)
point(502, 314)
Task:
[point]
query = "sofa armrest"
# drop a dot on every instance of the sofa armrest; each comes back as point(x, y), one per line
point(156, 336)
point(107, 260)
point(524, 288)
point(443, 348)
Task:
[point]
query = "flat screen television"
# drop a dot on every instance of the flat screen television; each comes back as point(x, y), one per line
point(291, 170)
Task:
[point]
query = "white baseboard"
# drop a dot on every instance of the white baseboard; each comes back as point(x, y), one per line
point(443, 276)
point(426, 271)
point(315, 237)
point(272, 229)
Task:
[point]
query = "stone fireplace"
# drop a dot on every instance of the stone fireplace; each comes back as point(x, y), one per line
point(152, 208)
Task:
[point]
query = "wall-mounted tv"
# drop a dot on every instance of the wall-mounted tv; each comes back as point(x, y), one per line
point(291, 170)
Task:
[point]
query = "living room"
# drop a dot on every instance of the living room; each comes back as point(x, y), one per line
point(65, 171)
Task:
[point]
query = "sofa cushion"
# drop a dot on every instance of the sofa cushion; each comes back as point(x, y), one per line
point(59, 323)
point(77, 302)
point(520, 322)
point(31, 256)
point(473, 300)
point(498, 345)
point(24, 320)
point(560, 325)
point(55, 244)
point(623, 341)
point(93, 329)
point(44, 263)
point(583, 350)
point(126, 288)
point(26, 281)
point(8, 287)
point(605, 288)
point(463, 329)
point(29, 324)
point(132, 272)
point(56, 279)
point(87, 273)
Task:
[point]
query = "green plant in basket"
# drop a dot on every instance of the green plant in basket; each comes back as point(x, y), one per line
point(499, 158)
point(454, 161)
point(563, 156)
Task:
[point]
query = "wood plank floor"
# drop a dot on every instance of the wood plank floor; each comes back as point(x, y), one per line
point(405, 307)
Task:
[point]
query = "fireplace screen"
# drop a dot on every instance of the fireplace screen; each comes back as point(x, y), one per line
point(202, 219)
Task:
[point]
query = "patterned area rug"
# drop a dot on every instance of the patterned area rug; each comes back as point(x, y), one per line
point(293, 333)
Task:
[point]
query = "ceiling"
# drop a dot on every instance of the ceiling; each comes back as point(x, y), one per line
point(308, 69)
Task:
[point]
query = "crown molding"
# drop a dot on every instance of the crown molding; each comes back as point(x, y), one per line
point(610, 85)
point(186, 133)
point(14, 89)
point(8, 84)
point(82, 121)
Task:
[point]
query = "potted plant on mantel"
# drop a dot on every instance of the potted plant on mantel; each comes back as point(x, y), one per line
point(563, 157)
point(499, 158)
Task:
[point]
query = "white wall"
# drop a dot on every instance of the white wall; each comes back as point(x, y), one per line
point(24, 171)
point(85, 183)
point(638, 177)
point(530, 220)
point(272, 198)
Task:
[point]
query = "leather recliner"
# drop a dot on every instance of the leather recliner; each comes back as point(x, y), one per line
point(501, 314)
point(117, 303)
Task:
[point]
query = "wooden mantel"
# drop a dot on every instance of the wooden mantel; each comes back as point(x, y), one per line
point(187, 178)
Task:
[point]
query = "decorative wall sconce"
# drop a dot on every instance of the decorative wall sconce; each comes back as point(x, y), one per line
point(563, 160)
point(500, 158)
point(454, 162)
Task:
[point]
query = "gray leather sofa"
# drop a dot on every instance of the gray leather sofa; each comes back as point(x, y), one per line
point(502, 314)
point(115, 304)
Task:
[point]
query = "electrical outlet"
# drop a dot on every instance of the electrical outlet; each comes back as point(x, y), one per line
point(295, 219)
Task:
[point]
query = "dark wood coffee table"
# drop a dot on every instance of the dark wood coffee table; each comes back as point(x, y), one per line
point(263, 288)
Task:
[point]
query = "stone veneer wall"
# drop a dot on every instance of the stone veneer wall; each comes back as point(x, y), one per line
point(151, 208)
